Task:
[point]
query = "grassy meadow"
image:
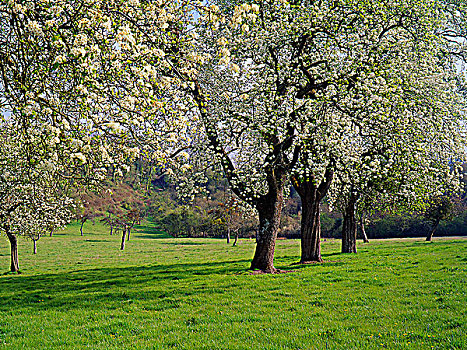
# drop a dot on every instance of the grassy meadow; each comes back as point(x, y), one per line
point(164, 293)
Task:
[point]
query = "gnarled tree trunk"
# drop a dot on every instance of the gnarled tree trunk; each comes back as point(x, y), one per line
point(34, 246)
point(349, 228)
point(311, 195)
point(14, 267)
point(310, 231)
point(269, 211)
point(269, 207)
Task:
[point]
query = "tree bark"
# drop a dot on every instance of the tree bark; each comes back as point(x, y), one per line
point(311, 195)
point(128, 234)
point(349, 228)
point(51, 232)
point(14, 267)
point(269, 207)
point(236, 238)
point(228, 235)
point(362, 227)
point(122, 246)
point(429, 238)
point(310, 230)
point(81, 228)
point(34, 246)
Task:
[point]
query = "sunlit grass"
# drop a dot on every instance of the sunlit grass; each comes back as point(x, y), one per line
point(161, 293)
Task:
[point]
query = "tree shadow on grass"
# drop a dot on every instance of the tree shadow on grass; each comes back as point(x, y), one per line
point(150, 232)
point(155, 287)
point(331, 254)
point(299, 266)
point(186, 243)
point(98, 240)
point(292, 262)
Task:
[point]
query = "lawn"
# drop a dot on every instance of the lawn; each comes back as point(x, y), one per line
point(163, 293)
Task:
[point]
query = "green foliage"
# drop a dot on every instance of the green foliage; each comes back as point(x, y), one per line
point(191, 222)
point(397, 226)
point(441, 208)
point(163, 293)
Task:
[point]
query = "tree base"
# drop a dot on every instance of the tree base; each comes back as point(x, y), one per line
point(310, 261)
point(264, 270)
point(268, 272)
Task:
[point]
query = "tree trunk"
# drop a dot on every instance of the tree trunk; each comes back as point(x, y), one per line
point(14, 267)
point(81, 228)
point(269, 205)
point(362, 227)
point(51, 232)
point(109, 218)
point(128, 234)
point(122, 246)
point(269, 209)
point(311, 195)
point(228, 235)
point(349, 228)
point(310, 230)
point(433, 229)
point(34, 246)
point(236, 238)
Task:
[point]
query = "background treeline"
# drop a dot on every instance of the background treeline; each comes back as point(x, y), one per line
point(198, 221)
point(212, 214)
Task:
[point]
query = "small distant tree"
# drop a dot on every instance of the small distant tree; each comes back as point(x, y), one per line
point(124, 207)
point(133, 217)
point(126, 221)
point(89, 208)
point(234, 216)
point(45, 210)
point(29, 186)
point(443, 207)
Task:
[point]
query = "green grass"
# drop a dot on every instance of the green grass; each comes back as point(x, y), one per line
point(163, 293)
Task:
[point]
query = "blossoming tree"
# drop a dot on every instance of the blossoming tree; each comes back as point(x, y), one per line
point(32, 200)
point(248, 85)
point(93, 72)
point(265, 78)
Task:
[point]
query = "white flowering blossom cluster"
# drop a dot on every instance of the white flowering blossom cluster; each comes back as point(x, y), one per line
point(44, 210)
point(33, 199)
point(98, 73)
point(368, 89)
